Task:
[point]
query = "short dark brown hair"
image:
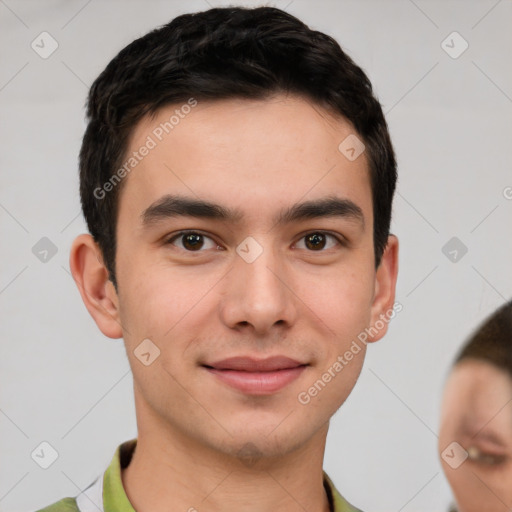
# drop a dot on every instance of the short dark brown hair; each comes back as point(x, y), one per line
point(491, 341)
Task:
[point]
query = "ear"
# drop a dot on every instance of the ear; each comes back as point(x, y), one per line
point(97, 291)
point(384, 294)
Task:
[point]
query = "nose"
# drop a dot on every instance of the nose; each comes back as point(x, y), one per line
point(258, 295)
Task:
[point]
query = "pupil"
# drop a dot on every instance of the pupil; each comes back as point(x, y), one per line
point(317, 239)
point(193, 240)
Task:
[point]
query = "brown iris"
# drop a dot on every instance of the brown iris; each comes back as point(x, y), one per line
point(192, 241)
point(317, 241)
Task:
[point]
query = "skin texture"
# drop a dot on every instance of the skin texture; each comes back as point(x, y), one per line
point(477, 413)
point(202, 443)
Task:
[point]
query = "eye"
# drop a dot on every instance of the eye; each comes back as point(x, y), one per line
point(488, 459)
point(192, 241)
point(316, 241)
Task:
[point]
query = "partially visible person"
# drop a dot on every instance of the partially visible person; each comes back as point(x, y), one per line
point(475, 441)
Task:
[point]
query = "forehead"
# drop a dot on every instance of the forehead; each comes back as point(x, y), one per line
point(282, 148)
point(477, 392)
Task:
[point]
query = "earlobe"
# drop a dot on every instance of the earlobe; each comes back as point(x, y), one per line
point(98, 293)
point(384, 296)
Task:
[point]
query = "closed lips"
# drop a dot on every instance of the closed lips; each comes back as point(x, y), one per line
point(249, 364)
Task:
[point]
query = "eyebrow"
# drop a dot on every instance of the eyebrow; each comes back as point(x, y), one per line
point(472, 434)
point(488, 436)
point(171, 206)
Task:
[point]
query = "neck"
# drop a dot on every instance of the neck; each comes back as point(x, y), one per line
point(169, 468)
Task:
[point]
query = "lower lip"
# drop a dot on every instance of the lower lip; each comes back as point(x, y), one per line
point(258, 383)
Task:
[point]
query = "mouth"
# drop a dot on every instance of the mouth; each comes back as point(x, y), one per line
point(257, 376)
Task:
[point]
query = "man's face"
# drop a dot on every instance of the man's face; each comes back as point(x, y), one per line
point(254, 286)
point(477, 414)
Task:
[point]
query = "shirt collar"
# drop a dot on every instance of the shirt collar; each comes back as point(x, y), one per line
point(115, 499)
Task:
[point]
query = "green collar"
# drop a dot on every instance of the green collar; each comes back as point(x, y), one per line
point(115, 499)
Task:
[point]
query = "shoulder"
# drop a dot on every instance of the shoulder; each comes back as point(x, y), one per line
point(63, 505)
point(337, 502)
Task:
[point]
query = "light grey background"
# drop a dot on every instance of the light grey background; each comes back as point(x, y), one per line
point(63, 382)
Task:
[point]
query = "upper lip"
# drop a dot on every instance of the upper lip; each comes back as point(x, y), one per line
point(250, 364)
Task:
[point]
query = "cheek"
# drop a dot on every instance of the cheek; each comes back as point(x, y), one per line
point(339, 308)
point(154, 302)
point(477, 490)
point(343, 298)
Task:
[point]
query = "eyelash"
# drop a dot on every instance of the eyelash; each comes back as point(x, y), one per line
point(486, 459)
point(341, 242)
